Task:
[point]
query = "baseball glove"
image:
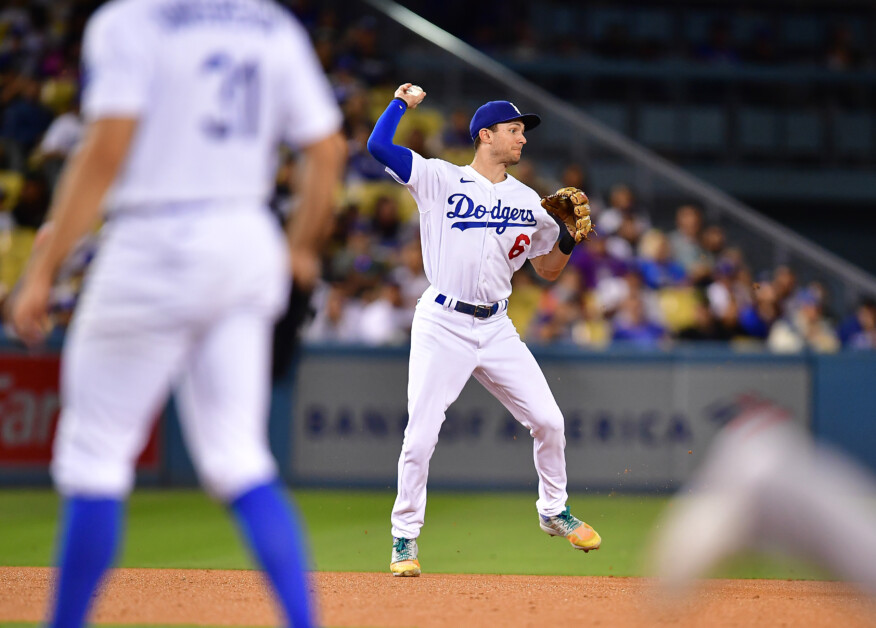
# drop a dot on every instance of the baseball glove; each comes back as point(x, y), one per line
point(572, 208)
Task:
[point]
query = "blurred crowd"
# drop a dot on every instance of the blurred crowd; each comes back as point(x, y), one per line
point(633, 284)
point(756, 34)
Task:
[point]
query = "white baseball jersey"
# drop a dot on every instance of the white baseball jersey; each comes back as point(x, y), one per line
point(216, 86)
point(186, 296)
point(476, 234)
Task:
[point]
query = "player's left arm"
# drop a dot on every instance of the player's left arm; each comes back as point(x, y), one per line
point(550, 265)
point(75, 211)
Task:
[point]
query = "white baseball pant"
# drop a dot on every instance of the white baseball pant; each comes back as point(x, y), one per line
point(186, 296)
point(447, 347)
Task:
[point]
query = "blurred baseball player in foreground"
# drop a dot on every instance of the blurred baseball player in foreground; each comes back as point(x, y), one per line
point(766, 486)
point(478, 225)
point(186, 103)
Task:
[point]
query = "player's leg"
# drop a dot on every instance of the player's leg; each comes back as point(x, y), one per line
point(441, 361)
point(509, 371)
point(224, 400)
point(114, 383)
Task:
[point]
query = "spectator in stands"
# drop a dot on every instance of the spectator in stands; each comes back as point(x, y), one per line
point(591, 329)
point(613, 291)
point(655, 262)
point(416, 141)
point(456, 133)
point(19, 50)
point(633, 327)
point(704, 326)
point(382, 320)
point(60, 139)
point(560, 326)
point(803, 328)
point(346, 85)
point(410, 276)
point(595, 263)
point(361, 165)
point(622, 204)
point(362, 54)
point(730, 284)
point(526, 173)
point(784, 283)
point(336, 320)
point(356, 111)
point(708, 326)
point(575, 176)
point(558, 309)
point(757, 318)
point(24, 117)
point(386, 227)
point(356, 263)
point(714, 243)
point(625, 241)
point(858, 330)
point(685, 241)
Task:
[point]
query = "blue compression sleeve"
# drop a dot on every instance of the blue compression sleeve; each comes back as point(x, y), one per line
point(397, 158)
point(268, 523)
point(91, 532)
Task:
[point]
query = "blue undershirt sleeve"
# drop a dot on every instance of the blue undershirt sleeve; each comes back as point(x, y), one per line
point(397, 158)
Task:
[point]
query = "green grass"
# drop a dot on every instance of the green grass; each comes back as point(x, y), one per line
point(349, 531)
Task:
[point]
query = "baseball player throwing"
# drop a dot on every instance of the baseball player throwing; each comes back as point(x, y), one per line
point(478, 225)
point(186, 102)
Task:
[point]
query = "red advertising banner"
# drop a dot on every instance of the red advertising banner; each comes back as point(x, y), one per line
point(29, 409)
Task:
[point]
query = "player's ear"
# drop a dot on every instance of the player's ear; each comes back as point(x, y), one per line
point(486, 136)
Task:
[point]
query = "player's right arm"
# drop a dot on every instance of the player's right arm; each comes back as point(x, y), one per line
point(118, 63)
point(323, 163)
point(397, 158)
point(75, 211)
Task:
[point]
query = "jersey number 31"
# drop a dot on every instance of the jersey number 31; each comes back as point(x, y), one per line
point(236, 111)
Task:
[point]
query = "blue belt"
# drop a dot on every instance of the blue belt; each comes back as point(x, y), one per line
point(478, 311)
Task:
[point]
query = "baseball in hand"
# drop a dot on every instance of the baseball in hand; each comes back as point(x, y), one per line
point(414, 90)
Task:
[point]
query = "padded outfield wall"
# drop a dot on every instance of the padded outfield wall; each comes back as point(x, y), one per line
point(634, 421)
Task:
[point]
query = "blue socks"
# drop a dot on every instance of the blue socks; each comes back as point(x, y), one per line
point(268, 523)
point(88, 546)
point(91, 532)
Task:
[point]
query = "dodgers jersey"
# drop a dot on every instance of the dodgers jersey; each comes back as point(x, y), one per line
point(215, 84)
point(476, 234)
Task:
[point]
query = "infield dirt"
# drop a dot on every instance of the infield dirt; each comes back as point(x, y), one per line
point(239, 598)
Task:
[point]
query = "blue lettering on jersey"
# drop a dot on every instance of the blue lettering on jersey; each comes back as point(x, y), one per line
point(183, 13)
point(500, 217)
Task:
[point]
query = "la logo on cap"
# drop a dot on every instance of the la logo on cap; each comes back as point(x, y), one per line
point(515, 107)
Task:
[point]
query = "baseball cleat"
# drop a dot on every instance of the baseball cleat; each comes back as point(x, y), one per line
point(404, 558)
point(580, 535)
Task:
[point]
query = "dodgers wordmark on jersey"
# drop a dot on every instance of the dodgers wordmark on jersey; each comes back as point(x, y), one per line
point(214, 102)
point(476, 234)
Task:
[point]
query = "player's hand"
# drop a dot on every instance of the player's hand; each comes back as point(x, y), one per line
point(305, 268)
point(412, 100)
point(28, 309)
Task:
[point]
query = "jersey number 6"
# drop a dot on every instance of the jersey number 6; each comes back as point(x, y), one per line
point(519, 246)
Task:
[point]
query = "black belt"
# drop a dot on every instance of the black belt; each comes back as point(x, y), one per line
point(478, 311)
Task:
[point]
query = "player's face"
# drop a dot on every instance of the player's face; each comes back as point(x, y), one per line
point(508, 141)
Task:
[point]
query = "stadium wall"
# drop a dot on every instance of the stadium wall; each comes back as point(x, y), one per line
point(635, 421)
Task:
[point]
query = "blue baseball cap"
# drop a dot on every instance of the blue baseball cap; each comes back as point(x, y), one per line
point(497, 111)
